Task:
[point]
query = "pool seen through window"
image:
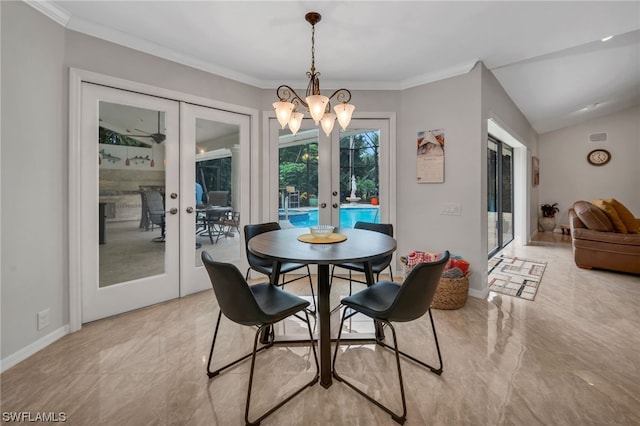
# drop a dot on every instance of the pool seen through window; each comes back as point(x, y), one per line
point(300, 218)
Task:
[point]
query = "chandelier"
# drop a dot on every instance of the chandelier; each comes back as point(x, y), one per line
point(317, 105)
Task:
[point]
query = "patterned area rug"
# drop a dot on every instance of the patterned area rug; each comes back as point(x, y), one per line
point(515, 276)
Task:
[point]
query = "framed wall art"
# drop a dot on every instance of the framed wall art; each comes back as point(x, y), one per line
point(430, 156)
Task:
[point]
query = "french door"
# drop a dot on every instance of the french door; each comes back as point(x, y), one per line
point(500, 200)
point(129, 197)
point(213, 155)
point(338, 179)
point(142, 230)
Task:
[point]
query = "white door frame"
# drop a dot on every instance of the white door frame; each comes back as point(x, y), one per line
point(75, 235)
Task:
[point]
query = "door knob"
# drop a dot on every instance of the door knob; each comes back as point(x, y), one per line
point(335, 193)
point(189, 209)
point(174, 195)
point(335, 205)
point(173, 211)
point(323, 205)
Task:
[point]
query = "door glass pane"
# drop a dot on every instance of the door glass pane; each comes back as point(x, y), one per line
point(359, 176)
point(217, 190)
point(492, 195)
point(507, 194)
point(298, 178)
point(131, 193)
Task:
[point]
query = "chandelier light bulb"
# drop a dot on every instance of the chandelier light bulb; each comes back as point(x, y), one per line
point(317, 105)
point(295, 122)
point(327, 122)
point(344, 111)
point(283, 112)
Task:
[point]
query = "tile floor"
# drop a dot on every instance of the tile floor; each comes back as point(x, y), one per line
point(571, 357)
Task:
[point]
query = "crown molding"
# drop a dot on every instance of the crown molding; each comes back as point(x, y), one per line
point(64, 18)
point(118, 37)
point(51, 10)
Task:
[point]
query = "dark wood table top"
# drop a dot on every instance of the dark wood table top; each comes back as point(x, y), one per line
point(360, 246)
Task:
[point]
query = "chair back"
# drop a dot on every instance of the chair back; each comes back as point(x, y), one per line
point(417, 291)
point(155, 206)
point(235, 299)
point(218, 198)
point(251, 231)
point(382, 262)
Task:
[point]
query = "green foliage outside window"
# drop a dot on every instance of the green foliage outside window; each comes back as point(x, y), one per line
point(299, 167)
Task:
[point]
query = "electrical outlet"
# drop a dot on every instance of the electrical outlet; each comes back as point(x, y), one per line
point(450, 209)
point(43, 319)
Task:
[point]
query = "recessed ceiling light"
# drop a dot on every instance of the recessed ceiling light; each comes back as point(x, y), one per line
point(607, 38)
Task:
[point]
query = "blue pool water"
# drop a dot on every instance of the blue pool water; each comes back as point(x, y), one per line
point(348, 216)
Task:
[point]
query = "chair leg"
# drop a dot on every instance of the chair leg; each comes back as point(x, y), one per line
point(212, 374)
point(313, 295)
point(434, 370)
point(333, 268)
point(290, 397)
point(209, 225)
point(395, 416)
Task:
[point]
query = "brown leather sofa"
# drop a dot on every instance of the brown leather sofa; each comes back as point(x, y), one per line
point(596, 244)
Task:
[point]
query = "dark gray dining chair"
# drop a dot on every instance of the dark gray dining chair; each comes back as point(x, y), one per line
point(390, 302)
point(154, 203)
point(265, 266)
point(378, 264)
point(260, 305)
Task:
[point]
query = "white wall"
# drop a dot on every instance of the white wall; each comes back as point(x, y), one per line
point(566, 176)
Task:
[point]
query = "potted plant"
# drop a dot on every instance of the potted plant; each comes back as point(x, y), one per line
point(548, 219)
point(313, 200)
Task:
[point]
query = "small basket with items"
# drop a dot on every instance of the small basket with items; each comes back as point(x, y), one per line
point(453, 289)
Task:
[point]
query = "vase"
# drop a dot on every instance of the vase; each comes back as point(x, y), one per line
point(548, 224)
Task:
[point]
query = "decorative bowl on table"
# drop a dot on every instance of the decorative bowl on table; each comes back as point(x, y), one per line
point(321, 231)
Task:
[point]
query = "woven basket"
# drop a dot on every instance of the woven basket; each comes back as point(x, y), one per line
point(451, 293)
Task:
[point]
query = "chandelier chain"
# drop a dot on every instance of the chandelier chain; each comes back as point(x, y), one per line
point(313, 49)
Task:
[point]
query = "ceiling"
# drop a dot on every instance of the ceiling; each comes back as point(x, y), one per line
point(548, 56)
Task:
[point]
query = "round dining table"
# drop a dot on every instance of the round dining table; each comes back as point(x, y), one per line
point(360, 246)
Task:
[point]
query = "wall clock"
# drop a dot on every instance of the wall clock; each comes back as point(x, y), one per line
point(599, 157)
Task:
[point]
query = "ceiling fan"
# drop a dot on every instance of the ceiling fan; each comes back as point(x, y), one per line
point(157, 137)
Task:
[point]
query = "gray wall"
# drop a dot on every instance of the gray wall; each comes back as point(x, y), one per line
point(453, 105)
point(566, 176)
point(34, 175)
point(497, 105)
point(36, 56)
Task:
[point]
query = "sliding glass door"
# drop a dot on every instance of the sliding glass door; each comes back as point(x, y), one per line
point(500, 194)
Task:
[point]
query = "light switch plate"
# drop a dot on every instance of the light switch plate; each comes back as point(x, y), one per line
point(450, 209)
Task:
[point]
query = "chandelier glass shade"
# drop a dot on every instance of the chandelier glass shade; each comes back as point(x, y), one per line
point(318, 105)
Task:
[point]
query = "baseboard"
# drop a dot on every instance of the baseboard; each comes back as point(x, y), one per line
point(479, 294)
point(33, 348)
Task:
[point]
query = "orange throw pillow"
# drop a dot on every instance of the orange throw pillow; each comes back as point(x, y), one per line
point(626, 216)
point(612, 214)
